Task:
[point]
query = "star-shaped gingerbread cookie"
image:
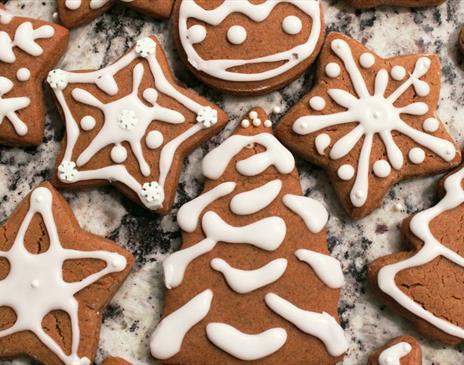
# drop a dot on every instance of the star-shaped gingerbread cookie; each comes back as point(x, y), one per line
point(130, 124)
point(73, 13)
point(55, 281)
point(365, 4)
point(403, 350)
point(29, 48)
point(370, 122)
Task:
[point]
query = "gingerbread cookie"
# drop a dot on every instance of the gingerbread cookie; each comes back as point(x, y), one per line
point(365, 4)
point(254, 279)
point(29, 48)
point(461, 40)
point(115, 361)
point(248, 47)
point(403, 350)
point(130, 124)
point(424, 284)
point(55, 281)
point(370, 122)
point(73, 13)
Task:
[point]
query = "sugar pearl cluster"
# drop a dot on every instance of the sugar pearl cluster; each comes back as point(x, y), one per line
point(255, 121)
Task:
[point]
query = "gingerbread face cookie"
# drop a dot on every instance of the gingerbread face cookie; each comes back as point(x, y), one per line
point(253, 280)
point(248, 47)
point(29, 48)
point(424, 283)
point(365, 4)
point(73, 13)
point(370, 122)
point(130, 124)
point(55, 281)
point(404, 350)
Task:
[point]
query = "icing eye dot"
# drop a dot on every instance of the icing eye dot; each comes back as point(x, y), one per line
point(257, 122)
point(118, 154)
point(416, 155)
point(317, 103)
point(236, 34)
point(398, 73)
point(267, 123)
point(88, 123)
point(245, 123)
point(430, 125)
point(292, 25)
point(154, 140)
point(253, 114)
point(382, 168)
point(23, 74)
point(196, 33)
point(332, 69)
point(322, 142)
point(367, 60)
point(345, 172)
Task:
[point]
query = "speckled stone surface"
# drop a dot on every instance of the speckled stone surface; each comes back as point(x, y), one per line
point(134, 312)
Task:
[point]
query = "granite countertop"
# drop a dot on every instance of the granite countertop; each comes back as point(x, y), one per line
point(134, 312)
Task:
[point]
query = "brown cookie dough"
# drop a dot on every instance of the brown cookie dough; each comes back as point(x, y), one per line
point(429, 278)
point(248, 48)
point(370, 122)
point(461, 40)
point(29, 48)
point(253, 247)
point(74, 13)
point(365, 4)
point(115, 361)
point(406, 349)
point(130, 124)
point(55, 282)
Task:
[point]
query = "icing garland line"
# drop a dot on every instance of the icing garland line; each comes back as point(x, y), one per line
point(33, 277)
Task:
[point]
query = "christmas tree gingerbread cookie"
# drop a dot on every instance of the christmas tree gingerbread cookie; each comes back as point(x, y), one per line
point(370, 122)
point(130, 124)
point(365, 4)
point(29, 48)
point(73, 13)
point(248, 47)
point(424, 284)
point(403, 350)
point(253, 280)
point(55, 281)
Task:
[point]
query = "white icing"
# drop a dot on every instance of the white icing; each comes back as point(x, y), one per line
point(321, 325)
point(253, 201)
point(253, 114)
point(267, 123)
point(207, 116)
point(332, 69)
point(245, 123)
point(23, 74)
point(88, 123)
point(153, 194)
point(292, 25)
point(196, 33)
point(431, 125)
point(245, 346)
point(236, 34)
point(216, 161)
point(398, 73)
point(9, 106)
point(5, 17)
point(256, 122)
point(322, 142)
point(327, 268)
point(311, 211)
point(432, 248)
point(367, 60)
point(246, 281)
point(34, 277)
point(416, 155)
point(154, 140)
point(118, 153)
point(375, 114)
point(393, 354)
point(317, 103)
point(219, 68)
point(167, 339)
point(381, 168)
point(345, 172)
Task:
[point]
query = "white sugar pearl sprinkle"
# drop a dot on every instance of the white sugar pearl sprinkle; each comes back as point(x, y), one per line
point(317, 103)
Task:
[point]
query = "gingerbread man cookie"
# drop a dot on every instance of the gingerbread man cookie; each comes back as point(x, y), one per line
point(248, 47)
point(424, 284)
point(55, 281)
point(370, 122)
point(73, 13)
point(403, 350)
point(29, 48)
point(254, 280)
point(130, 124)
point(365, 4)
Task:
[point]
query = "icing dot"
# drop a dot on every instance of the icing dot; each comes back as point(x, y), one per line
point(430, 125)
point(119, 263)
point(317, 103)
point(398, 73)
point(267, 123)
point(35, 283)
point(416, 155)
point(154, 140)
point(332, 69)
point(257, 122)
point(322, 142)
point(245, 123)
point(292, 25)
point(382, 168)
point(88, 123)
point(345, 172)
point(118, 154)
point(421, 87)
point(150, 95)
point(367, 60)
point(23, 74)
point(253, 114)
point(196, 33)
point(277, 109)
point(236, 34)
point(398, 207)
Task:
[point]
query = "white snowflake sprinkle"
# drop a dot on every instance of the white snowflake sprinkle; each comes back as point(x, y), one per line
point(153, 194)
point(67, 171)
point(57, 79)
point(207, 116)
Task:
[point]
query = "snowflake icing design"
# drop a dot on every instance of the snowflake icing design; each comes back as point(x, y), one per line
point(374, 114)
point(33, 277)
point(9, 106)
